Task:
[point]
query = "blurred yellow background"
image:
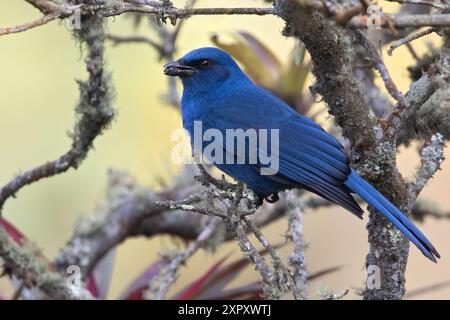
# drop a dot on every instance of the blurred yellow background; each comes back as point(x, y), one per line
point(37, 98)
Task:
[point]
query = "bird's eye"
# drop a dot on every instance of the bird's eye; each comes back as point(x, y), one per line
point(205, 63)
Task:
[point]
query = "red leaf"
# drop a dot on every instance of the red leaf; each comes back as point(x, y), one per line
point(196, 287)
point(262, 52)
point(211, 283)
point(136, 290)
point(227, 274)
point(91, 286)
point(323, 272)
point(249, 292)
point(99, 279)
point(12, 231)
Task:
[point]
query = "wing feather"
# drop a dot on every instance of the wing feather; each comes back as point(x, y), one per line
point(309, 157)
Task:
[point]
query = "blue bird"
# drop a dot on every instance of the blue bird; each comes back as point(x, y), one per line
point(218, 94)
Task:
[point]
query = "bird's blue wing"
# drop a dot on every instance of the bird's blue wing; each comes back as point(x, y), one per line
point(314, 160)
point(309, 157)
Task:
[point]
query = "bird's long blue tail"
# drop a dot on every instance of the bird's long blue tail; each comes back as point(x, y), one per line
point(375, 199)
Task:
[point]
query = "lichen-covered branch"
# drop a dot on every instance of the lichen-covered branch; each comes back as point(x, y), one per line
point(135, 39)
point(160, 285)
point(283, 279)
point(349, 16)
point(332, 55)
point(423, 2)
point(380, 66)
point(373, 144)
point(409, 39)
point(258, 261)
point(235, 207)
point(295, 234)
point(29, 25)
point(401, 120)
point(327, 30)
point(403, 21)
point(131, 210)
point(94, 112)
point(166, 47)
point(125, 207)
point(431, 157)
point(434, 115)
point(28, 264)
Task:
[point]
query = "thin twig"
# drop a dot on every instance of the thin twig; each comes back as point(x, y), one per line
point(29, 25)
point(189, 5)
point(431, 157)
point(276, 282)
point(380, 66)
point(187, 205)
point(146, 2)
point(34, 270)
point(94, 114)
point(276, 259)
point(250, 251)
point(402, 115)
point(408, 39)
point(422, 2)
point(46, 170)
point(133, 213)
point(169, 12)
point(169, 276)
point(427, 289)
point(298, 259)
point(423, 209)
point(336, 296)
point(402, 21)
point(18, 291)
point(178, 13)
point(412, 51)
point(134, 39)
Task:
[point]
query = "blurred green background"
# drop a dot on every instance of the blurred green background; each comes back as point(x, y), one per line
point(38, 69)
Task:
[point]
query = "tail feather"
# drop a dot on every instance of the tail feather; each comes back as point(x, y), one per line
point(374, 198)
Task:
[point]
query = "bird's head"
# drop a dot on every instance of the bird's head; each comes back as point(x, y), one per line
point(204, 68)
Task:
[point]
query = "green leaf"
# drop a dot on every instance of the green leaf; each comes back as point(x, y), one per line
point(294, 77)
point(256, 59)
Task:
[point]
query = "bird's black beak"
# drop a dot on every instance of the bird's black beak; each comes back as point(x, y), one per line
point(178, 69)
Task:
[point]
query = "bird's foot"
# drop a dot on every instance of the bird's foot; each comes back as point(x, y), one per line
point(272, 198)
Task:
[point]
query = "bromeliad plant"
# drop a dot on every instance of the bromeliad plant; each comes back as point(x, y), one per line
point(286, 80)
point(210, 285)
